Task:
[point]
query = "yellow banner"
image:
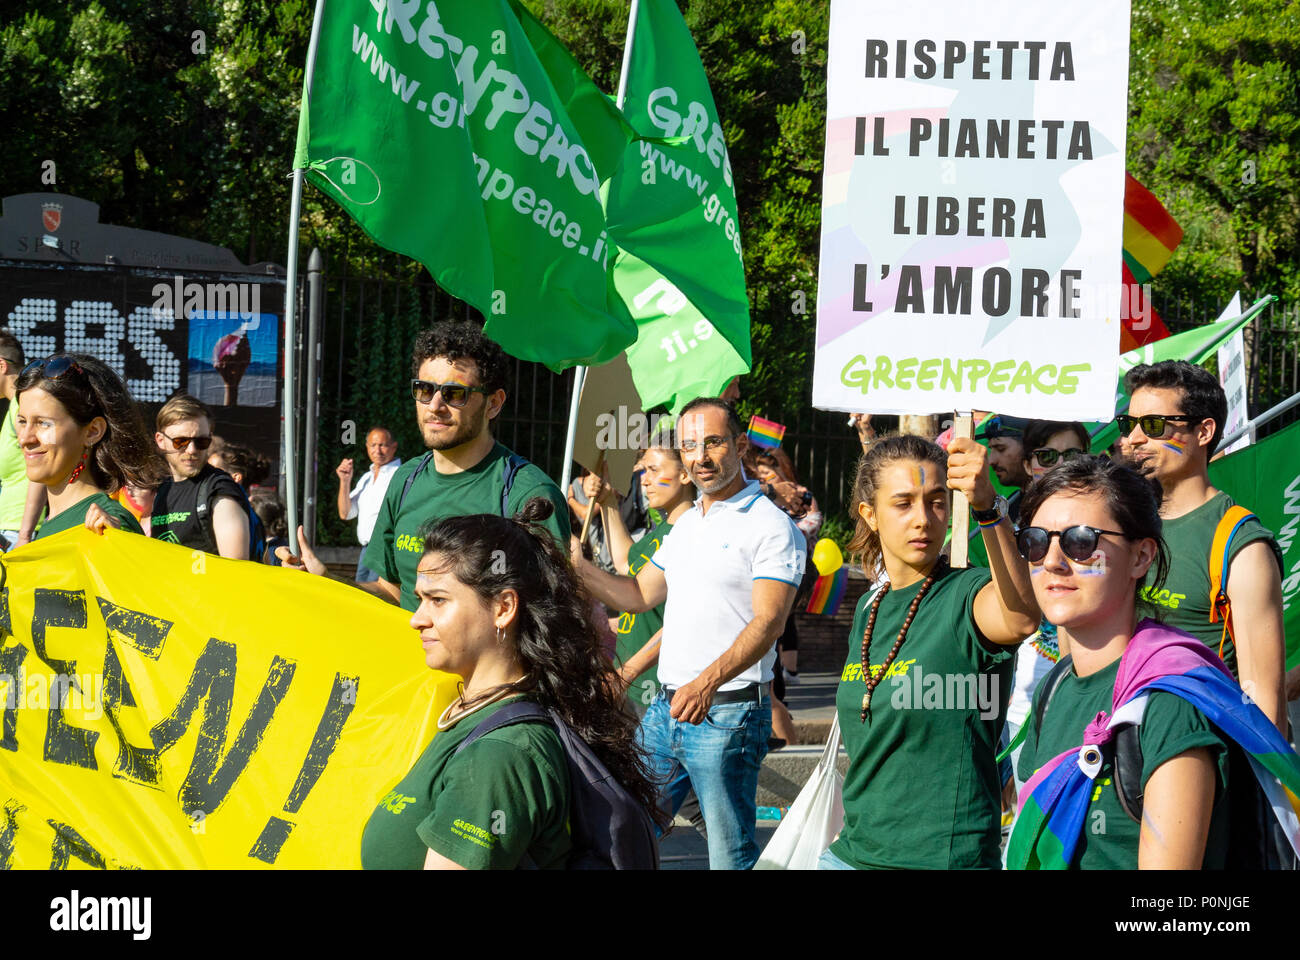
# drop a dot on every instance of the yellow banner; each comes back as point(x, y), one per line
point(166, 708)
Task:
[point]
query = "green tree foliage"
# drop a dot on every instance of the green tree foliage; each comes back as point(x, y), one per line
point(1214, 132)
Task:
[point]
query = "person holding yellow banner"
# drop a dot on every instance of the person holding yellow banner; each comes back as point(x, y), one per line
point(82, 437)
point(499, 607)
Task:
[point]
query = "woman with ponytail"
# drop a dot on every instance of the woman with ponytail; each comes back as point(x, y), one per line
point(499, 607)
point(922, 697)
point(82, 437)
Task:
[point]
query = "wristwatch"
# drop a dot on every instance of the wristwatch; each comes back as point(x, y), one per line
point(998, 511)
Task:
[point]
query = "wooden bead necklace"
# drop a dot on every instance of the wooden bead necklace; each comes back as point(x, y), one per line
point(872, 681)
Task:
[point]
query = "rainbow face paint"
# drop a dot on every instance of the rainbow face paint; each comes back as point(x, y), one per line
point(918, 476)
point(1094, 566)
point(1177, 446)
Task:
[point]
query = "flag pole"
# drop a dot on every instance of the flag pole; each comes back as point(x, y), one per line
point(580, 371)
point(291, 310)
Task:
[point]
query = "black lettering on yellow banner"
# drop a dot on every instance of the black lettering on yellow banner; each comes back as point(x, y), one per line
point(11, 810)
point(68, 843)
point(342, 700)
point(64, 743)
point(145, 634)
point(11, 666)
point(214, 770)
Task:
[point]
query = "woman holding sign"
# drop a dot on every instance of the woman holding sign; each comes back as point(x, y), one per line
point(82, 437)
point(499, 606)
point(922, 695)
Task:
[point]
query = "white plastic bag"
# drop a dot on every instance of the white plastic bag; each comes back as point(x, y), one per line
point(815, 817)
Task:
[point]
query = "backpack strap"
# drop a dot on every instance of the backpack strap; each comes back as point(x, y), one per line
point(510, 468)
point(1050, 683)
point(410, 479)
point(1220, 554)
point(525, 711)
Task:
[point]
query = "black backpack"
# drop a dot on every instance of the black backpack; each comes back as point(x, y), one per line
point(1255, 838)
point(202, 509)
point(510, 468)
point(609, 828)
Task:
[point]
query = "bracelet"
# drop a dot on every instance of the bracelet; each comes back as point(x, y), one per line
point(991, 523)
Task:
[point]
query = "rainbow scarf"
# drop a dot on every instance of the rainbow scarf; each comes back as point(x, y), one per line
point(1054, 803)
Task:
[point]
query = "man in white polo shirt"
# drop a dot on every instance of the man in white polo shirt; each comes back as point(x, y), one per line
point(728, 573)
point(366, 497)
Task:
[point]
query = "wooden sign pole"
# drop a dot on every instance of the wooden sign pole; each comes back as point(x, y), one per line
point(963, 426)
point(592, 507)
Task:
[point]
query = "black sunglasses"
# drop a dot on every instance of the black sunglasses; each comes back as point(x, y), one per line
point(53, 367)
point(1046, 456)
point(453, 394)
point(1153, 424)
point(182, 443)
point(1078, 543)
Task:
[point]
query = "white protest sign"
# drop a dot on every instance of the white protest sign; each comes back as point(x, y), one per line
point(973, 208)
point(1232, 376)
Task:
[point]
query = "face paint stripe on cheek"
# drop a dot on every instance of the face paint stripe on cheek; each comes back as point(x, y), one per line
point(1177, 446)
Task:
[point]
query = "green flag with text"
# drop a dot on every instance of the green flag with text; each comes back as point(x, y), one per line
point(1265, 479)
point(442, 134)
point(672, 211)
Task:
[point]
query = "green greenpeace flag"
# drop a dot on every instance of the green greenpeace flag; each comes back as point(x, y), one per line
point(441, 133)
point(1265, 479)
point(672, 211)
point(1195, 346)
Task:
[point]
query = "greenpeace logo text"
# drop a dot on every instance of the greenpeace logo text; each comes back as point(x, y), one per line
point(75, 913)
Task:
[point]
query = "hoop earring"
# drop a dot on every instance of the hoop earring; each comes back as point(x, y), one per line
point(501, 635)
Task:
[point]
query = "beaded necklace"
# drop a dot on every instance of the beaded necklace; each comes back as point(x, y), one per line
point(873, 680)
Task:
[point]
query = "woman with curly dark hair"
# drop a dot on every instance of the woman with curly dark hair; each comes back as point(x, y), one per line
point(499, 607)
point(81, 437)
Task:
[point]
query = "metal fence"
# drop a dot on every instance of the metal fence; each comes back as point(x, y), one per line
point(359, 313)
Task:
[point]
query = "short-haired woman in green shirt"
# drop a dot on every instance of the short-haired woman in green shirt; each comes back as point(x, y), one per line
point(82, 437)
point(922, 697)
point(499, 606)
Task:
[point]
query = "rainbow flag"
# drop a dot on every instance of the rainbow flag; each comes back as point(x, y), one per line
point(765, 433)
point(1150, 236)
point(1054, 803)
point(828, 593)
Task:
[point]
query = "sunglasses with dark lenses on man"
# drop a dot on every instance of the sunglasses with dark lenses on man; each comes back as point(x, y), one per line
point(183, 443)
point(1047, 457)
point(1153, 424)
point(453, 394)
point(1078, 543)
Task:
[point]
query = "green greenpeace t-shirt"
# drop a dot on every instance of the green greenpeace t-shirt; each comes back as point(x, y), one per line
point(506, 796)
point(922, 789)
point(1170, 726)
point(1184, 601)
point(635, 629)
point(395, 546)
point(75, 516)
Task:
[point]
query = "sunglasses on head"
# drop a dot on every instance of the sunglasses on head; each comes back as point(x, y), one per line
point(182, 443)
point(1078, 543)
point(51, 368)
point(1153, 424)
point(1047, 457)
point(453, 394)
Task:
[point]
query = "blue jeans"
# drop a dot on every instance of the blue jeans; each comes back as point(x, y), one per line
point(364, 573)
point(719, 758)
point(829, 861)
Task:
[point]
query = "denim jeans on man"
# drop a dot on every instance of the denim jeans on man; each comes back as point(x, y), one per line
point(720, 758)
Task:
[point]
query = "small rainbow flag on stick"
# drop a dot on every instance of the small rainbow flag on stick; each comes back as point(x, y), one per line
point(765, 433)
point(828, 593)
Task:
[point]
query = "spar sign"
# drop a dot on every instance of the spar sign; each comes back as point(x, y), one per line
point(972, 208)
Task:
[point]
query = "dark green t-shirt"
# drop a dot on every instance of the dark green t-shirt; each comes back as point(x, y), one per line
point(1184, 602)
point(635, 629)
point(75, 516)
point(922, 789)
point(395, 546)
point(1170, 726)
point(506, 795)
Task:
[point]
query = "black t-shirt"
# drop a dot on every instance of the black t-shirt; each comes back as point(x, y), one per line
point(175, 509)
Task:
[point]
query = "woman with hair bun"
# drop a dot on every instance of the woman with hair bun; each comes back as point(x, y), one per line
point(922, 697)
point(499, 607)
point(82, 437)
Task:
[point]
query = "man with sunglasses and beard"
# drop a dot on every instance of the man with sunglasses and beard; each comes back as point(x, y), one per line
point(221, 525)
point(1173, 425)
point(458, 389)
